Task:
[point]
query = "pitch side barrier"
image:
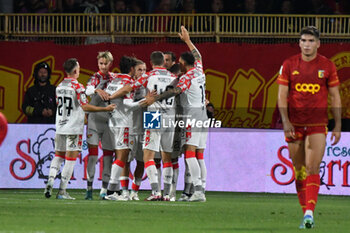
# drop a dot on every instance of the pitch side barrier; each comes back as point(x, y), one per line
point(216, 27)
point(238, 160)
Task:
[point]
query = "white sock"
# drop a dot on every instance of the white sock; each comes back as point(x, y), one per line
point(55, 166)
point(152, 175)
point(67, 173)
point(175, 178)
point(194, 171)
point(167, 177)
point(159, 175)
point(91, 167)
point(115, 173)
point(203, 172)
point(309, 212)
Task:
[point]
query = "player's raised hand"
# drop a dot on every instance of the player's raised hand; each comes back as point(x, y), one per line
point(111, 107)
point(335, 136)
point(184, 35)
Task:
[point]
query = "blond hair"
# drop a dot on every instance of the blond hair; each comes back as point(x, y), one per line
point(105, 54)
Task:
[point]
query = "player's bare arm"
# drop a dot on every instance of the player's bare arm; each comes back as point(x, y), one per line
point(336, 111)
point(288, 128)
point(93, 108)
point(121, 92)
point(185, 37)
point(150, 99)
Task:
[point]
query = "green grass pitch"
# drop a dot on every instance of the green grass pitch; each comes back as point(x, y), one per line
point(28, 211)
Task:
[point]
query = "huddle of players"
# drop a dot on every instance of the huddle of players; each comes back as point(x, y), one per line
point(121, 131)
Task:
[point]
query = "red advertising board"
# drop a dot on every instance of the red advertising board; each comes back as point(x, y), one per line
point(240, 77)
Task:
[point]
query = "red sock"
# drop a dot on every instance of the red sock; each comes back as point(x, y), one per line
point(135, 187)
point(301, 187)
point(312, 188)
point(124, 182)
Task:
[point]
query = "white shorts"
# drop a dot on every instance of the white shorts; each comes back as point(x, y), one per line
point(122, 138)
point(159, 140)
point(68, 142)
point(196, 137)
point(93, 137)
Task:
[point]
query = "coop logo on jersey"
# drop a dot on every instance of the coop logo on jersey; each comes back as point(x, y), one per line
point(307, 87)
point(151, 120)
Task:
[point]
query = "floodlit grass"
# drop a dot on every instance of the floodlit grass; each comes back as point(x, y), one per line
point(29, 211)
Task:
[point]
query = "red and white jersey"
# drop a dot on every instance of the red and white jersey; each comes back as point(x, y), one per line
point(70, 96)
point(192, 97)
point(158, 79)
point(98, 81)
point(137, 114)
point(121, 116)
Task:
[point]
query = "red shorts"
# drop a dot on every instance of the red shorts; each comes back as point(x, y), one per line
point(302, 131)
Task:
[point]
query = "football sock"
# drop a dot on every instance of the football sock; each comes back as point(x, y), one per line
point(117, 168)
point(203, 168)
point(175, 177)
point(188, 180)
point(159, 176)
point(167, 177)
point(136, 184)
point(55, 167)
point(67, 172)
point(106, 171)
point(312, 188)
point(300, 184)
point(91, 166)
point(194, 168)
point(124, 182)
point(152, 175)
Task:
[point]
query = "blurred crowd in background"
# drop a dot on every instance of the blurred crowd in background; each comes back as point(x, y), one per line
point(177, 6)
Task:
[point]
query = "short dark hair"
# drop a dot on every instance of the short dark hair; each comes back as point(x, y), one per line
point(69, 65)
point(310, 30)
point(126, 63)
point(175, 69)
point(157, 58)
point(173, 57)
point(188, 58)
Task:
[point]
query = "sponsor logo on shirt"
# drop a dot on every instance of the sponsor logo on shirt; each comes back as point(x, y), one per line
point(295, 72)
point(307, 87)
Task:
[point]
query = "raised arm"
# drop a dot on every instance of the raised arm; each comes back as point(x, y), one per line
point(185, 37)
point(121, 92)
point(336, 111)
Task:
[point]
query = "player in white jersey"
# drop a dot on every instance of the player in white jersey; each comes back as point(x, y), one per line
point(137, 134)
point(191, 86)
point(98, 129)
point(121, 125)
point(156, 140)
point(71, 104)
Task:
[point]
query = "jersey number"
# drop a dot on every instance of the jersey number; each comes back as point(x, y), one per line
point(203, 92)
point(168, 101)
point(64, 102)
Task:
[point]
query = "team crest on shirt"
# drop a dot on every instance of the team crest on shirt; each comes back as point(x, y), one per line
point(320, 73)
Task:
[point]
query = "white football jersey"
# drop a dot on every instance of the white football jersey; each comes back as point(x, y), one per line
point(192, 97)
point(121, 116)
point(137, 114)
point(70, 95)
point(158, 79)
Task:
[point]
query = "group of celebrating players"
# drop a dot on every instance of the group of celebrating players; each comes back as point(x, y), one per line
point(305, 81)
point(177, 93)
